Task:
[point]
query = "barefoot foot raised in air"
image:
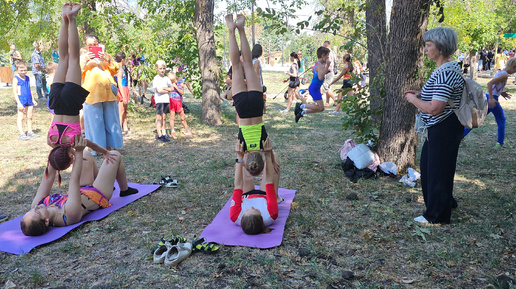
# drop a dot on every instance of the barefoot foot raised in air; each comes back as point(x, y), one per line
point(230, 23)
point(240, 22)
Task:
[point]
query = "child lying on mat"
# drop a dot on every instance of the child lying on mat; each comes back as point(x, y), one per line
point(255, 209)
point(90, 189)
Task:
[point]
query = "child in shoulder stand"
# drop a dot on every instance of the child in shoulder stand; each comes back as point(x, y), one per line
point(162, 86)
point(24, 100)
point(176, 105)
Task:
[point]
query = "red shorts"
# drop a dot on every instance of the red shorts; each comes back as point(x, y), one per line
point(123, 94)
point(176, 105)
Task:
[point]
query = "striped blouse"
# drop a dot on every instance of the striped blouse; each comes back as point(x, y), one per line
point(442, 85)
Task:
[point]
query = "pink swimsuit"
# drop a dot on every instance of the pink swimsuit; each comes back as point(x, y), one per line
point(61, 129)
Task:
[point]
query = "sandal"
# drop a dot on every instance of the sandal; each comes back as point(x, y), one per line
point(172, 239)
point(200, 245)
point(172, 184)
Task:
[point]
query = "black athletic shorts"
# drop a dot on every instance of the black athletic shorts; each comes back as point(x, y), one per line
point(347, 84)
point(249, 104)
point(67, 98)
point(162, 108)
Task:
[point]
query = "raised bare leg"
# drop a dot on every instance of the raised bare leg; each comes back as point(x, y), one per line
point(253, 82)
point(74, 69)
point(239, 84)
point(62, 44)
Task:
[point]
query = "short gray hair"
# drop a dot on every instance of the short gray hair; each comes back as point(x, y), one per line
point(445, 39)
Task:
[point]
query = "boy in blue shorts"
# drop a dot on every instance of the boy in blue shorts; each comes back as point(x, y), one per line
point(321, 68)
point(24, 100)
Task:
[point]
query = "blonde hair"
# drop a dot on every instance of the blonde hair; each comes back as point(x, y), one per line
point(254, 163)
point(511, 62)
point(51, 68)
point(20, 64)
point(160, 63)
point(172, 76)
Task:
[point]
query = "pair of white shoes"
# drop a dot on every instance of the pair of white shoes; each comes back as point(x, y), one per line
point(172, 255)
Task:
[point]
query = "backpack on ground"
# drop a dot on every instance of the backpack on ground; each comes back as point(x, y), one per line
point(473, 104)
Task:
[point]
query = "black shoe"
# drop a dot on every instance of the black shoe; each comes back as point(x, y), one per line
point(298, 116)
point(298, 108)
point(2, 217)
point(128, 192)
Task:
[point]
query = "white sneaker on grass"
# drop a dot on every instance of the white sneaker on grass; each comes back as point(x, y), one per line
point(421, 220)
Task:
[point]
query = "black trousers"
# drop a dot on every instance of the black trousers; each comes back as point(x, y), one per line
point(437, 165)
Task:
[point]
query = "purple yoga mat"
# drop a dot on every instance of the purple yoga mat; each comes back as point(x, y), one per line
point(223, 231)
point(12, 240)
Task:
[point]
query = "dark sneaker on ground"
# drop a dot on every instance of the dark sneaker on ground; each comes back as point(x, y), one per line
point(298, 116)
point(298, 108)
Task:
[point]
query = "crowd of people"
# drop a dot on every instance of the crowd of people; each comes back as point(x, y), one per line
point(90, 91)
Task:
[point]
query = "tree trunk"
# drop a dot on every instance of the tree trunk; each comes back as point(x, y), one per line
point(376, 45)
point(398, 140)
point(211, 112)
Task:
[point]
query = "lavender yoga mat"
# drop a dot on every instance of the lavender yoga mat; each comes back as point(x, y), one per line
point(12, 240)
point(223, 231)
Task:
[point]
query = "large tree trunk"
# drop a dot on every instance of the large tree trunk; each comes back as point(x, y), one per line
point(398, 140)
point(376, 45)
point(211, 112)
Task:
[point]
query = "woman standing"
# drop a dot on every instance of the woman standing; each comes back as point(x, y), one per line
point(346, 81)
point(439, 153)
point(293, 85)
point(101, 117)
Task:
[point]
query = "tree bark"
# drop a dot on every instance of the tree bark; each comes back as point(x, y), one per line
point(376, 45)
point(204, 14)
point(398, 140)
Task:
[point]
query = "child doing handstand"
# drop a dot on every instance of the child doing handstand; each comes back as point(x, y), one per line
point(247, 95)
point(66, 95)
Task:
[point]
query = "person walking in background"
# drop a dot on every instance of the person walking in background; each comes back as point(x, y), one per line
point(346, 82)
point(328, 78)
point(38, 69)
point(301, 67)
point(480, 58)
point(15, 57)
point(293, 82)
point(489, 61)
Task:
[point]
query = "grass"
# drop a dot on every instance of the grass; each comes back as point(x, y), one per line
point(374, 236)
